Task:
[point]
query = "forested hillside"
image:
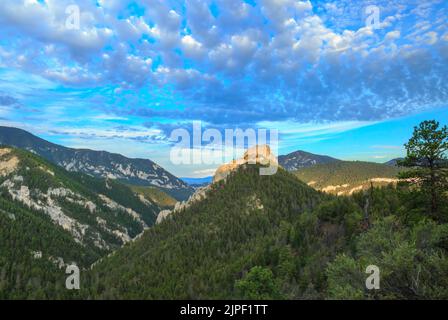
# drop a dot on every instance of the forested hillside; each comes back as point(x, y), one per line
point(33, 254)
point(161, 198)
point(273, 237)
point(246, 236)
point(201, 252)
point(346, 177)
point(51, 218)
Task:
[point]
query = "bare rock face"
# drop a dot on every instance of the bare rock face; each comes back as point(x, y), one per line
point(260, 154)
point(223, 171)
point(7, 164)
point(199, 195)
point(162, 215)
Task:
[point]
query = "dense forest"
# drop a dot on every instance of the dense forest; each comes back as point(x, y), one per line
point(30, 245)
point(34, 249)
point(274, 237)
point(352, 173)
point(258, 237)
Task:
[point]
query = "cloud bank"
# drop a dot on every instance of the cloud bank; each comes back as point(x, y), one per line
point(237, 62)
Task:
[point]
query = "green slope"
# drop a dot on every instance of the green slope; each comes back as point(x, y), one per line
point(273, 237)
point(24, 232)
point(253, 237)
point(199, 253)
point(153, 194)
point(57, 215)
point(100, 164)
point(347, 175)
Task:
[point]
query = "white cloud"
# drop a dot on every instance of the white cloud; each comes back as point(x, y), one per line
point(392, 35)
point(279, 59)
point(192, 47)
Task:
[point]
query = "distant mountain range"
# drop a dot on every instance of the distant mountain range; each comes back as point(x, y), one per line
point(301, 159)
point(146, 173)
point(393, 162)
point(103, 164)
point(291, 162)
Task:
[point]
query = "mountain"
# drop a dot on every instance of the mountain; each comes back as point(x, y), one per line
point(301, 159)
point(97, 213)
point(292, 161)
point(346, 177)
point(98, 163)
point(393, 162)
point(198, 181)
point(254, 155)
point(258, 154)
point(200, 251)
point(50, 217)
point(249, 236)
point(260, 237)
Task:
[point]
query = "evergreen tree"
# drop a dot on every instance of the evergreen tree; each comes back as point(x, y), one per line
point(258, 284)
point(426, 155)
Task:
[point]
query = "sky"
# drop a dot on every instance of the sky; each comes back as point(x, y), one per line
point(343, 78)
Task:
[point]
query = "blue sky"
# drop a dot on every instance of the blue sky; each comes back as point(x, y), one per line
point(318, 71)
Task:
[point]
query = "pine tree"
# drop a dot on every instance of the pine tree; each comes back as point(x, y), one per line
point(427, 156)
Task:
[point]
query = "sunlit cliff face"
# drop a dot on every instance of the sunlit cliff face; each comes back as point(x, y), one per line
point(259, 154)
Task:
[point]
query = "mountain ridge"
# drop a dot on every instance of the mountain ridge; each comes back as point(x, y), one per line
point(103, 164)
point(273, 237)
point(346, 177)
point(73, 199)
point(302, 159)
point(51, 218)
point(256, 207)
point(393, 162)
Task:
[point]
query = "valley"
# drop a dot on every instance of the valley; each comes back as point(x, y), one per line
point(51, 218)
point(100, 164)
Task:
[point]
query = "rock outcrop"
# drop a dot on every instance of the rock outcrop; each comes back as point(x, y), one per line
point(199, 195)
point(7, 164)
point(260, 154)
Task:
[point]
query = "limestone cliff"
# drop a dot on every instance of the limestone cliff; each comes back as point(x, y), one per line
point(260, 154)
